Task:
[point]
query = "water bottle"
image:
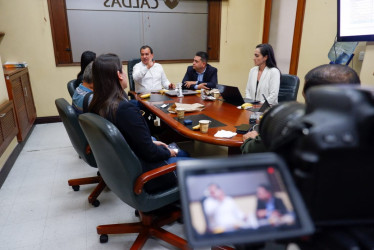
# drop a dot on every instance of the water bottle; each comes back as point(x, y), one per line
point(202, 94)
point(253, 118)
point(179, 90)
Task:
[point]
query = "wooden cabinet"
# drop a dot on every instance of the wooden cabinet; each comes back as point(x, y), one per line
point(8, 125)
point(19, 90)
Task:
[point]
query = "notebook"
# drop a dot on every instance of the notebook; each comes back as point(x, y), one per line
point(223, 200)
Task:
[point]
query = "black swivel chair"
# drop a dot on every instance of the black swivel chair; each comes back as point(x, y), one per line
point(80, 144)
point(130, 66)
point(72, 85)
point(289, 86)
point(122, 172)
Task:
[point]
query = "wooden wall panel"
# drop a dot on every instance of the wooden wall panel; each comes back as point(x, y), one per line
point(60, 31)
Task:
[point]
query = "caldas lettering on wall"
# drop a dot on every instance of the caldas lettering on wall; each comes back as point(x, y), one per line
point(151, 4)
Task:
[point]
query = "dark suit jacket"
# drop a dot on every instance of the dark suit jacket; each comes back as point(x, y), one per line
point(210, 77)
point(278, 205)
point(134, 129)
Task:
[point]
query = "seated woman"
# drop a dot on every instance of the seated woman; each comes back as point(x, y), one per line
point(326, 74)
point(264, 78)
point(110, 102)
point(86, 58)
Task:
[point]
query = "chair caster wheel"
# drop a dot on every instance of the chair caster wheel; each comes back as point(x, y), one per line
point(96, 203)
point(136, 213)
point(104, 238)
point(76, 188)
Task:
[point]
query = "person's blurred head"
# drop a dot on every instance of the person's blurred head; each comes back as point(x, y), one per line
point(200, 61)
point(264, 192)
point(216, 192)
point(86, 58)
point(264, 55)
point(87, 76)
point(327, 74)
point(109, 82)
point(146, 54)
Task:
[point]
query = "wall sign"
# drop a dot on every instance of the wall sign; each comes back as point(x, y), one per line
point(175, 29)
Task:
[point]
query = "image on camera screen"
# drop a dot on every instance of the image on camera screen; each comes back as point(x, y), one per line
point(240, 204)
point(261, 203)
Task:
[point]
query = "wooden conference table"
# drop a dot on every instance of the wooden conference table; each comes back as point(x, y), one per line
point(225, 113)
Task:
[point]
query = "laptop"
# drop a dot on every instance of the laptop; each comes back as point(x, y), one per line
point(184, 91)
point(264, 106)
point(239, 180)
point(232, 95)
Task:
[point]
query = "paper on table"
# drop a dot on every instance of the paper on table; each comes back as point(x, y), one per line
point(187, 107)
point(225, 134)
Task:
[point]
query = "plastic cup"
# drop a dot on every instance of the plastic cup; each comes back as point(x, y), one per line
point(204, 126)
point(180, 112)
point(216, 95)
point(258, 117)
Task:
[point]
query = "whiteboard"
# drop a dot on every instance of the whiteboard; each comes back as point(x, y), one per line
point(112, 26)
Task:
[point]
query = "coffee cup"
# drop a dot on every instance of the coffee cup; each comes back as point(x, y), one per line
point(204, 126)
point(180, 112)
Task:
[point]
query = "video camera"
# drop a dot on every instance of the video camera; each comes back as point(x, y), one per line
point(329, 147)
point(323, 169)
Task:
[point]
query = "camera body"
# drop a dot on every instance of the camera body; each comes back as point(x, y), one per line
point(329, 146)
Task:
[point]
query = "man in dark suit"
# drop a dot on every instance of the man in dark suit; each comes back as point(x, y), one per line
point(200, 75)
point(268, 206)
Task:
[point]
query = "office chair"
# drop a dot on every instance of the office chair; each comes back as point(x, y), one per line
point(289, 86)
point(72, 85)
point(122, 172)
point(130, 66)
point(70, 120)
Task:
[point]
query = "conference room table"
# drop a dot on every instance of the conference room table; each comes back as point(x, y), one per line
point(224, 115)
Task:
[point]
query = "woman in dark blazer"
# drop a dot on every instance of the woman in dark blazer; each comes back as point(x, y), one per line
point(109, 101)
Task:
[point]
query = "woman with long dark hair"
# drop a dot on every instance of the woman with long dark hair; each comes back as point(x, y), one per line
point(86, 58)
point(264, 78)
point(110, 102)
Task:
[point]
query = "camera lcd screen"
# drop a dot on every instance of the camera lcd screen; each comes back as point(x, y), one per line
point(240, 200)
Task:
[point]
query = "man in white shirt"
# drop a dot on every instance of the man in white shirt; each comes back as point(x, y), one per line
point(222, 212)
point(149, 75)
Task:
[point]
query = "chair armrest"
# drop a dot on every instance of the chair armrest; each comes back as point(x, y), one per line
point(133, 94)
point(149, 175)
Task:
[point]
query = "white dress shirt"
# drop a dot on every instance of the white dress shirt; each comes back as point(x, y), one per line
point(223, 215)
point(147, 80)
point(268, 85)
